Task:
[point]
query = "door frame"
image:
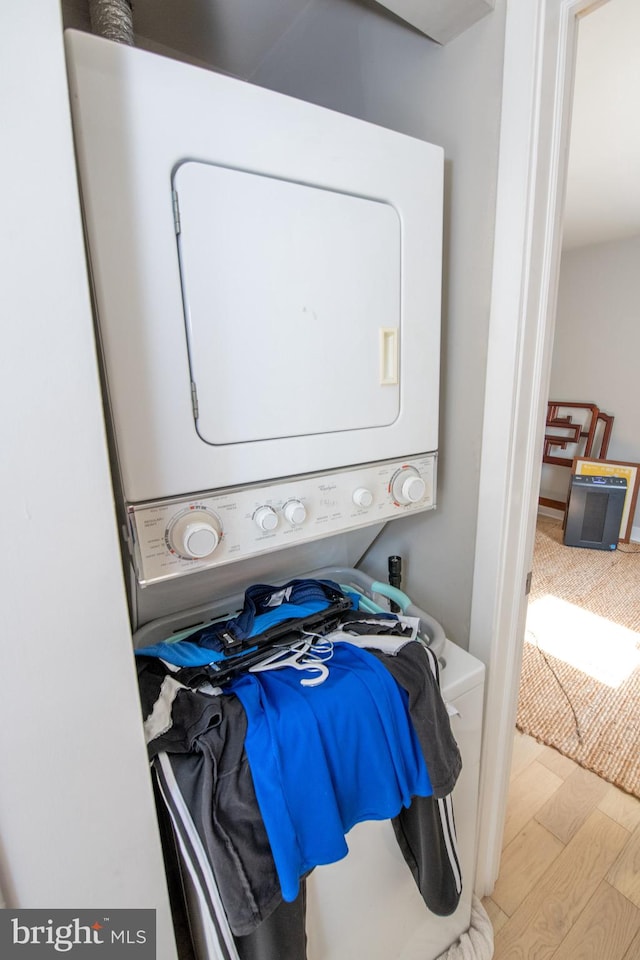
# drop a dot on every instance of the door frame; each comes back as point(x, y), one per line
point(537, 93)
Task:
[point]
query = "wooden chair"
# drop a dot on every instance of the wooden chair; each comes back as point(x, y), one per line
point(566, 438)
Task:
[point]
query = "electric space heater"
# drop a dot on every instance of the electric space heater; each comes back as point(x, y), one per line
point(594, 512)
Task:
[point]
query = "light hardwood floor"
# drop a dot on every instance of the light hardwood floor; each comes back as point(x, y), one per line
point(569, 884)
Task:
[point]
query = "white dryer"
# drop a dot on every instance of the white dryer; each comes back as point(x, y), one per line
point(267, 280)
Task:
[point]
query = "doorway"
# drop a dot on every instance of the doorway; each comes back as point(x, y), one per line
point(539, 63)
point(596, 338)
point(580, 653)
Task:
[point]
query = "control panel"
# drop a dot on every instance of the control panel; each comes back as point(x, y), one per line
point(170, 538)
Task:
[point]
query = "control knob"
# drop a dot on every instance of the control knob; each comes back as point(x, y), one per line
point(362, 497)
point(266, 518)
point(195, 535)
point(295, 512)
point(408, 486)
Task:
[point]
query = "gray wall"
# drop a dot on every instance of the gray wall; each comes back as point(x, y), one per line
point(348, 57)
point(597, 346)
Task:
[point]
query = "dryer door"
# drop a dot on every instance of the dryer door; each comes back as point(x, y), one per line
point(292, 305)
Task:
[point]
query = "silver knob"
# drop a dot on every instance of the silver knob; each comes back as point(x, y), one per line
point(408, 486)
point(295, 512)
point(195, 535)
point(362, 497)
point(266, 518)
point(200, 540)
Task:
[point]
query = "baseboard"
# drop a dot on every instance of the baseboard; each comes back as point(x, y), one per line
point(635, 534)
point(556, 514)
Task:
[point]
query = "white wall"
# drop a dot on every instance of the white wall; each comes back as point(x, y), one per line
point(76, 817)
point(596, 350)
point(351, 58)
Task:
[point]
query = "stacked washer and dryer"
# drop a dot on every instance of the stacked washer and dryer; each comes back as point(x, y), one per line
point(266, 278)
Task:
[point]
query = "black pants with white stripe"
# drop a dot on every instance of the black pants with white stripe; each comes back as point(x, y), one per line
point(424, 832)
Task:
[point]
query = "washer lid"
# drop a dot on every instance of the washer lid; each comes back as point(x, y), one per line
point(292, 305)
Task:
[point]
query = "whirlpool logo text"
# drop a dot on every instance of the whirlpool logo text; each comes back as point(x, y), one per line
point(28, 934)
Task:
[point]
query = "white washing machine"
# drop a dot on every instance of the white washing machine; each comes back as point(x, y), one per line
point(368, 904)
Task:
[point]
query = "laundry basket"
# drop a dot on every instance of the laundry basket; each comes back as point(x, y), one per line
point(375, 595)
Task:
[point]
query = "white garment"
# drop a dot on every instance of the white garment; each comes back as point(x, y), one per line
point(385, 642)
point(477, 942)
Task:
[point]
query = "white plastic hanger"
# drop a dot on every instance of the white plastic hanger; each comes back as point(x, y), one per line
point(297, 656)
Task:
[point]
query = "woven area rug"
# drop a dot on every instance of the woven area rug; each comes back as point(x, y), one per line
point(580, 683)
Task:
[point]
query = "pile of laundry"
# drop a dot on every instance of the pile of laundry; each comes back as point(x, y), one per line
point(273, 732)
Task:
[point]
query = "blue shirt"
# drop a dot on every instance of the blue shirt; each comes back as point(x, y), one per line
point(326, 757)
